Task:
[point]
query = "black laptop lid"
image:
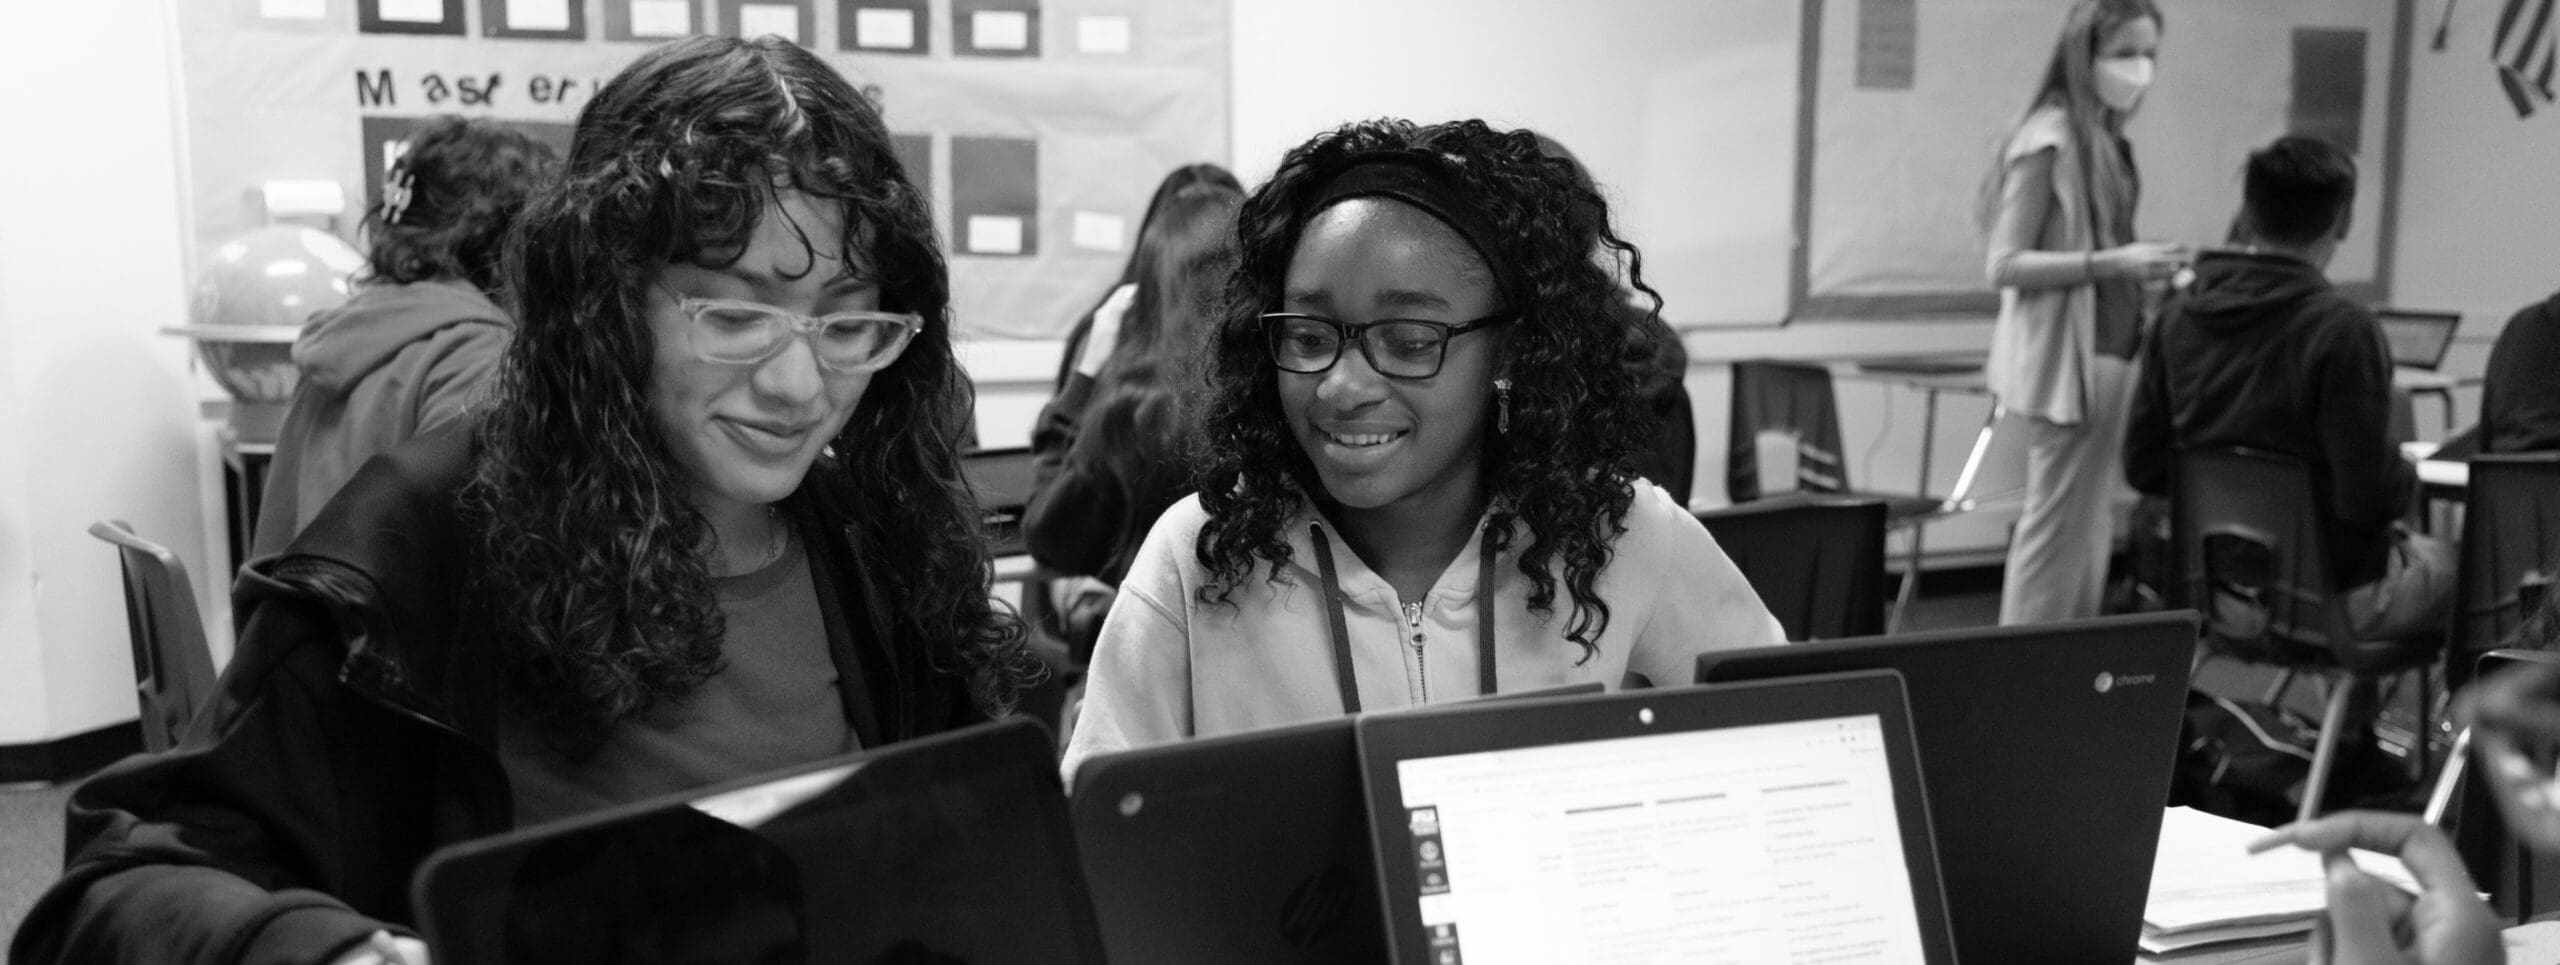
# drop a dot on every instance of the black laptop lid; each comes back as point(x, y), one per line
point(1240, 849)
point(947, 849)
point(1772, 822)
point(1243, 848)
point(2049, 750)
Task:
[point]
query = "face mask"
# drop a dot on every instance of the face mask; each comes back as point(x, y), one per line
point(2121, 81)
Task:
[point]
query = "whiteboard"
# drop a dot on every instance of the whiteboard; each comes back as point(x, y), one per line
point(1684, 111)
point(1895, 174)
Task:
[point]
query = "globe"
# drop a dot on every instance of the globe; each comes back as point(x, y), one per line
point(250, 301)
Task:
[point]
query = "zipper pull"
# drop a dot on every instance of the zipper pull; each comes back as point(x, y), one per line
point(1413, 615)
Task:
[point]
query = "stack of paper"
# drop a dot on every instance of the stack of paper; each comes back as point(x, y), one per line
point(2206, 888)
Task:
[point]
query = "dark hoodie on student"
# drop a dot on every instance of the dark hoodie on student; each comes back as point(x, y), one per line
point(389, 364)
point(2261, 352)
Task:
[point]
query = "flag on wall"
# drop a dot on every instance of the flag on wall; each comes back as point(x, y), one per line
point(2524, 51)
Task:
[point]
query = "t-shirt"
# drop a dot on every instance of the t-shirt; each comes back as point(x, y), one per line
point(774, 703)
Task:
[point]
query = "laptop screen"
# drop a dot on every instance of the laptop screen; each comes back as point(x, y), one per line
point(1780, 821)
point(2417, 339)
point(1772, 842)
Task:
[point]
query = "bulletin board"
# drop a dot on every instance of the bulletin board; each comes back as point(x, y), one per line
point(1038, 127)
point(1908, 103)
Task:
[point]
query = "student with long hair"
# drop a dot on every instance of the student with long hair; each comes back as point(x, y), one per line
point(2071, 277)
point(411, 349)
point(1418, 442)
point(1188, 177)
point(1109, 453)
point(711, 523)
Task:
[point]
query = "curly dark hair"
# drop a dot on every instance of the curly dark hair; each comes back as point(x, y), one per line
point(1563, 469)
point(467, 179)
point(591, 572)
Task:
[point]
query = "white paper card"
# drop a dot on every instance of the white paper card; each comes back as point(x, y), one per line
point(293, 9)
point(537, 14)
point(1000, 30)
point(411, 11)
point(759, 19)
point(1102, 35)
point(884, 29)
point(995, 234)
point(661, 18)
point(1099, 231)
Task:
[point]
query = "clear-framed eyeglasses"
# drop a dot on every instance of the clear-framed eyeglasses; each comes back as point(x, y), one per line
point(733, 332)
point(1398, 348)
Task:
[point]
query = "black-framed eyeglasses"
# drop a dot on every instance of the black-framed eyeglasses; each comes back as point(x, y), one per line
point(1398, 348)
point(733, 332)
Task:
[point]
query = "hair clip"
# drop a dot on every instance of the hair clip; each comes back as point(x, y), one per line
point(396, 194)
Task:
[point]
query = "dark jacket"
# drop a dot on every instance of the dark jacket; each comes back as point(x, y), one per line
point(353, 734)
point(2261, 352)
point(395, 361)
point(2520, 391)
point(1106, 461)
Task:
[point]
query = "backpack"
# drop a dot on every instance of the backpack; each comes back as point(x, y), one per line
point(2242, 760)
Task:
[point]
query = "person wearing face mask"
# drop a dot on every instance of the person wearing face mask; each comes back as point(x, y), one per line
point(2060, 209)
point(1417, 474)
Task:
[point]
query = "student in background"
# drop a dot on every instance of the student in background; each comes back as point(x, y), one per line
point(710, 523)
point(1417, 484)
point(410, 350)
point(1182, 178)
point(2071, 277)
point(1109, 451)
point(2519, 394)
point(2261, 352)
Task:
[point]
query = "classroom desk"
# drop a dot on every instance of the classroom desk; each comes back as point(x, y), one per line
point(1931, 376)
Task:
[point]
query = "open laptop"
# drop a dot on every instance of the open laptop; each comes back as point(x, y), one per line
point(945, 849)
point(2049, 749)
point(2417, 339)
point(1770, 822)
point(1248, 849)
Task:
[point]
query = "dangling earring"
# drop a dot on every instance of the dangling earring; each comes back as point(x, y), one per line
point(1502, 406)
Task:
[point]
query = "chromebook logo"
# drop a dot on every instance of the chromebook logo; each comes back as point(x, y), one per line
point(2107, 681)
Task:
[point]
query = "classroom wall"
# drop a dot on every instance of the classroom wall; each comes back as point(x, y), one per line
point(2479, 227)
point(97, 409)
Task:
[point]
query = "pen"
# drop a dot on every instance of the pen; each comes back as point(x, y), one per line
point(2441, 796)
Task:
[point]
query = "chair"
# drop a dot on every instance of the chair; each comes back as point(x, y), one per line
point(172, 664)
point(1818, 563)
point(2248, 533)
point(2510, 551)
point(1003, 481)
point(1796, 399)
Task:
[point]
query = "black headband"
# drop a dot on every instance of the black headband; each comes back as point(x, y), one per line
point(1416, 180)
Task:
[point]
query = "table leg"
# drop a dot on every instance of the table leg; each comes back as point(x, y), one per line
point(1910, 588)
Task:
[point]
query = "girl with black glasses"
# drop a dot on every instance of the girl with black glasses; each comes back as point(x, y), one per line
point(1417, 439)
